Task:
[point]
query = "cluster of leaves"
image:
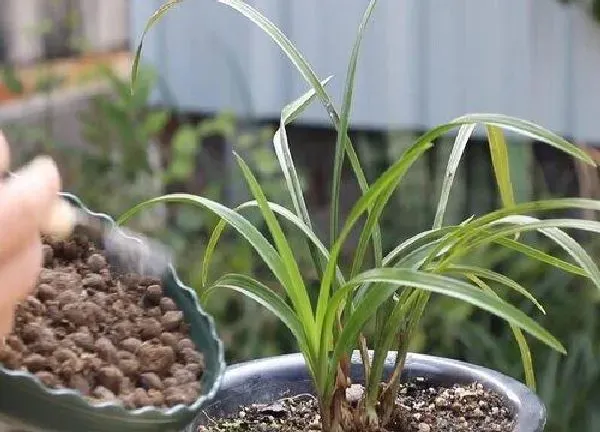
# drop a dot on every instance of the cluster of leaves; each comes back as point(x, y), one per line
point(396, 289)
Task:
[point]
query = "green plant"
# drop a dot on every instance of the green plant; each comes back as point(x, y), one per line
point(390, 291)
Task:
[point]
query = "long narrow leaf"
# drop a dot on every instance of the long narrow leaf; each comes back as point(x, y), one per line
point(282, 150)
point(293, 110)
point(461, 291)
point(390, 176)
point(499, 155)
point(496, 277)
point(156, 16)
point(550, 228)
point(296, 289)
point(343, 128)
point(528, 129)
point(284, 156)
point(309, 75)
point(430, 283)
point(540, 256)
point(264, 249)
point(460, 143)
point(524, 350)
point(478, 226)
point(281, 211)
point(263, 295)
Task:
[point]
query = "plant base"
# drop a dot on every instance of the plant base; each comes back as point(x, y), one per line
point(419, 407)
point(264, 387)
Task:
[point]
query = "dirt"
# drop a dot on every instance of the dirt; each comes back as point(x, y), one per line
point(109, 336)
point(419, 408)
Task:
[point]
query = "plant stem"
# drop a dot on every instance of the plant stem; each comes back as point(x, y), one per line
point(388, 397)
point(364, 354)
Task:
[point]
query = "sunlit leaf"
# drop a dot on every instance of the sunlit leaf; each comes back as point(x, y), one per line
point(460, 143)
point(499, 154)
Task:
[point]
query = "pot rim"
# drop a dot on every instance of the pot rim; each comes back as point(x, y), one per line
point(114, 407)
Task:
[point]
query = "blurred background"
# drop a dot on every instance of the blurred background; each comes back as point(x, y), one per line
point(211, 83)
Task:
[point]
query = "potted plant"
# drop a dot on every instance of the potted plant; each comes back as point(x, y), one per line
point(94, 349)
point(344, 379)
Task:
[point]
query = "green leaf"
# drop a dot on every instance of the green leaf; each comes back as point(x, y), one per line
point(295, 287)
point(264, 249)
point(524, 350)
point(281, 211)
point(284, 155)
point(461, 291)
point(417, 241)
point(528, 129)
point(496, 277)
point(266, 297)
point(343, 128)
point(353, 324)
point(156, 16)
point(295, 109)
point(284, 43)
point(540, 256)
point(396, 322)
point(309, 75)
point(479, 226)
point(499, 154)
point(550, 228)
point(391, 278)
point(390, 177)
point(460, 143)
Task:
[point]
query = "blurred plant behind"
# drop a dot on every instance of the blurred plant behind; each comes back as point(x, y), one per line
point(125, 161)
point(128, 159)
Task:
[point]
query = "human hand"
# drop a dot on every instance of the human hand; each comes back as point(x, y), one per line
point(25, 200)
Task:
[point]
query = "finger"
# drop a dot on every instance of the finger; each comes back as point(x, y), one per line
point(20, 273)
point(4, 154)
point(7, 321)
point(25, 201)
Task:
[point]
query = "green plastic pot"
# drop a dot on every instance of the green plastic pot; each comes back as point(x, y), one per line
point(27, 405)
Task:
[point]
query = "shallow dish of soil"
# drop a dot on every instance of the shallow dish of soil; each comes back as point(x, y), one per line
point(438, 395)
point(94, 349)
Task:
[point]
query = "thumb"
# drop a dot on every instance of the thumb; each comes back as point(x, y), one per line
point(25, 201)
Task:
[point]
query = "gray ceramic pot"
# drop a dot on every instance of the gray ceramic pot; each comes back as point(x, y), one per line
point(266, 380)
point(26, 405)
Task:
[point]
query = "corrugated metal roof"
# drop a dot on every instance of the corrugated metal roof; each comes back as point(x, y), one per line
point(423, 61)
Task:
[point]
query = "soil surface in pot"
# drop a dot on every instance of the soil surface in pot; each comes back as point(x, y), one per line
point(108, 336)
point(419, 408)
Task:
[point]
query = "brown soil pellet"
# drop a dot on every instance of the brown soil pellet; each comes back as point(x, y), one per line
point(167, 304)
point(171, 320)
point(108, 336)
